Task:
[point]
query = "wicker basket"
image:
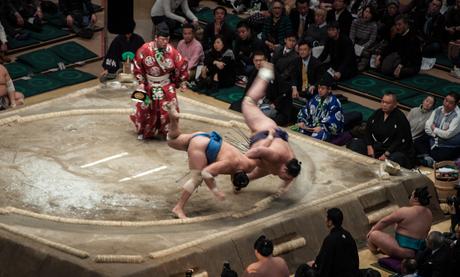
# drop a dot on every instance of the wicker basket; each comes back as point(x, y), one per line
point(445, 183)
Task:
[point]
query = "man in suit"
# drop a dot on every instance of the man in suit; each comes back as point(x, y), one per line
point(310, 69)
point(434, 260)
point(286, 86)
point(301, 17)
point(339, 13)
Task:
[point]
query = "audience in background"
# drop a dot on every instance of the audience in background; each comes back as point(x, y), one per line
point(386, 28)
point(217, 27)
point(191, 49)
point(340, 53)
point(79, 16)
point(266, 265)
point(322, 117)
point(301, 17)
point(363, 34)
point(340, 14)
point(310, 68)
point(338, 255)
point(433, 261)
point(431, 28)
point(408, 268)
point(411, 224)
point(245, 45)
point(317, 31)
point(165, 11)
point(26, 14)
point(276, 26)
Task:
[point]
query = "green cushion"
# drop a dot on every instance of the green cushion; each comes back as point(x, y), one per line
point(354, 107)
point(48, 32)
point(40, 60)
point(14, 43)
point(230, 94)
point(442, 59)
point(36, 85)
point(376, 87)
point(428, 83)
point(18, 70)
point(72, 52)
point(71, 76)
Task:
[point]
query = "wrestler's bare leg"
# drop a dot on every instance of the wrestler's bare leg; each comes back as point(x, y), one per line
point(255, 119)
point(19, 98)
point(197, 161)
point(381, 241)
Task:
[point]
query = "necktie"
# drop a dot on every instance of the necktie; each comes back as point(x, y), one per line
point(304, 77)
point(301, 27)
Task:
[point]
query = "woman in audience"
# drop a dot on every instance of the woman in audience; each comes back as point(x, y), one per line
point(363, 34)
point(219, 66)
point(417, 118)
point(318, 30)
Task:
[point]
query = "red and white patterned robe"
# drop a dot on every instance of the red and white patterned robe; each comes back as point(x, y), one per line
point(150, 66)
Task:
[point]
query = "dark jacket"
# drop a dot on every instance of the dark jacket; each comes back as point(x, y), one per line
point(338, 255)
point(276, 33)
point(435, 264)
point(342, 55)
point(227, 74)
point(433, 30)
point(244, 49)
point(313, 72)
point(408, 48)
point(294, 16)
point(76, 6)
point(345, 20)
point(209, 36)
point(120, 44)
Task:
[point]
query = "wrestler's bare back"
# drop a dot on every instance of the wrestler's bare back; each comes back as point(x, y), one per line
point(415, 221)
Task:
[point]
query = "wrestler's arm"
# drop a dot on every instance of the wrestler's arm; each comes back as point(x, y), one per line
point(395, 217)
point(211, 171)
point(262, 152)
point(257, 173)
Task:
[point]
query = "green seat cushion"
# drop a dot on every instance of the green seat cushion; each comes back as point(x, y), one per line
point(40, 60)
point(48, 32)
point(14, 43)
point(443, 60)
point(71, 76)
point(37, 84)
point(18, 70)
point(230, 94)
point(72, 52)
point(429, 83)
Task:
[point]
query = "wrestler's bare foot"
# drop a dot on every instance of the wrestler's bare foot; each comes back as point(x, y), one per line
point(179, 212)
point(172, 110)
point(220, 195)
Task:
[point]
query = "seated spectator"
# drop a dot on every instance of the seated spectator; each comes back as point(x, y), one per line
point(417, 118)
point(191, 49)
point(219, 66)
point(402, 57)
point(412, 225)
point(276, 26)
point(342, 63)
point(341, 15)
point(322, 116)
point(127, 41)
point(286, 87)
point(26, 14)
point(9, 97)
point(317, 31)
point(79, 16)
point(310, 69)
point(338, 255)
point(363, 34)
point(3, 46)
point(217, 27)
point(245, 46)
point(165, 11)
point(431, 29)
point(304, 270)
point(386, 26)
point(5, 7)
point(408, 268)
point(443, 129)
point(455, 248)
point(301, 17)
point(258, 10)
point(266, 265)
point(434, 260)
point(453, 22)
point(357, 7)
point(388, 134)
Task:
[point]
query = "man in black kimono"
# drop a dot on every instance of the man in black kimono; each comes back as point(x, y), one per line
point(338, 255)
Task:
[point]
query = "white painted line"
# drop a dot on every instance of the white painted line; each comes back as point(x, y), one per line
point(143, 173)
point(105, 160)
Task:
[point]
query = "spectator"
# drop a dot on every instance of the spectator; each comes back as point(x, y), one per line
point(388, 134)
point(431, 28)
point(9, 97)
point(402, 57)
point(338, 255)
point(363, 34)
point(266, 265)
point(322, 116)
point(408, 268)
point(340, 14)
point(310, 69)
point(455, 248)
point(386, 29)
point(453, 22)
point(217, 27)
point(26, 14)
point(301, 17)
point(443, 128)
point(191, 49)
point(417, 118)
point(342, 63)
point(304, 270)
point(128, 41)
point(79, 16)
point(286, 87)
point(357, 7)
point(276, 26)
point(245, 46)
point(219, 66)
point(3, 46)
point(412, 225)
point(318, 30)
point(434, 260)
point(164, 11)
